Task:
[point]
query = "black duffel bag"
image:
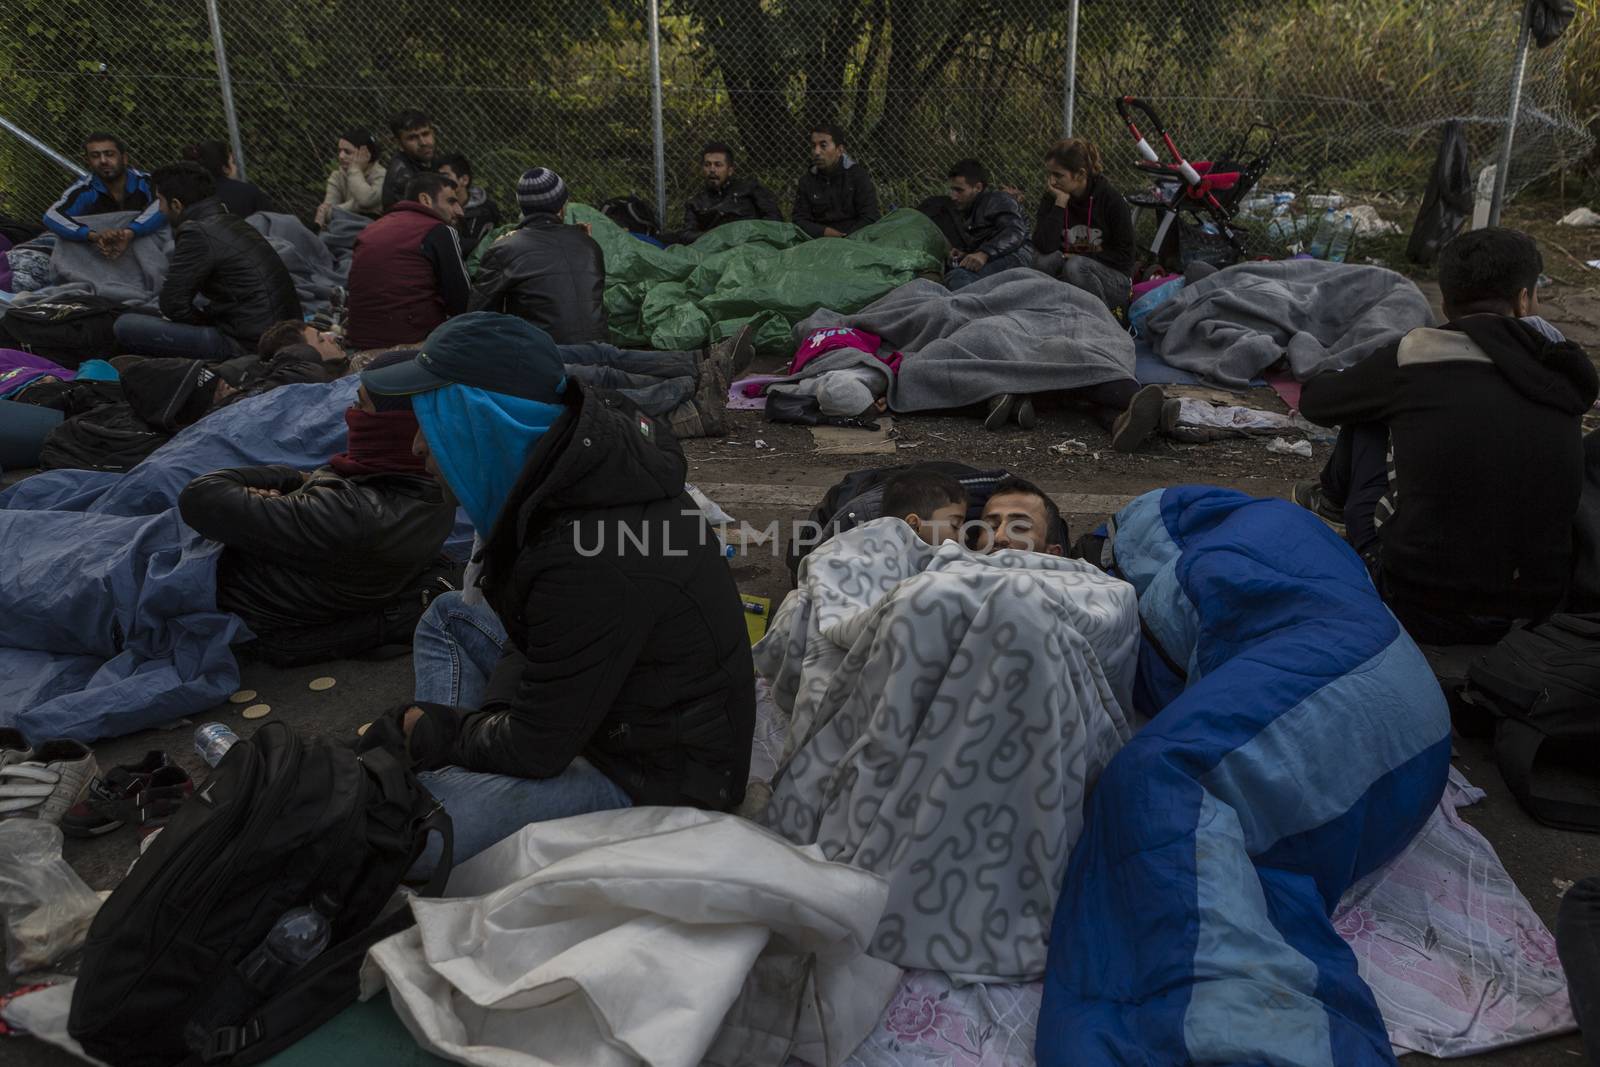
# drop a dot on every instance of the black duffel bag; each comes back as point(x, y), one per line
point(65, 331)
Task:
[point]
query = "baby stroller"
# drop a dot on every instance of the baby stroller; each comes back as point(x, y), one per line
point(1195, 202)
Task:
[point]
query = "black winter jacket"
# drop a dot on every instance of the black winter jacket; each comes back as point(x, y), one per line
point(737, 201)
point(329, 548)
point(1100, 225)
point(1485, 430)
point(401, 169)
point(549, 273)
point(995, 226)
point(223, 257)
point(636, 658)
point(843, 198)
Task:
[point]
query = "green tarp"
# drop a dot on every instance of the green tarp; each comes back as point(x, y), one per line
point(768, 273)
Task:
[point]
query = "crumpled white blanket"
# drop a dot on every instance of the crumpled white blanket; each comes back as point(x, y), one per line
point(664, 936)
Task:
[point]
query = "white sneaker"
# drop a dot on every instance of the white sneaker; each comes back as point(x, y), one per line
point(48, 784)
point(14, 748)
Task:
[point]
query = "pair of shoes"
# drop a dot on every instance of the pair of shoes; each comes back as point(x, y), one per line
point(1312, 497)
point(734, 355)
point(685, 421)
point(1008, 408)
point(1138, 420)
point(42, 783)
point(147, 793)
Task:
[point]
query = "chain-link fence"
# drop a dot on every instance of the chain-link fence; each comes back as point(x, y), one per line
point(1356, 88)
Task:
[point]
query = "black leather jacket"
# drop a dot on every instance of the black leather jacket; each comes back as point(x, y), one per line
point(329, 548)
point(549, 273)
point(995, 226)
point(221, 256)
point(740, 199)
point(635, 658)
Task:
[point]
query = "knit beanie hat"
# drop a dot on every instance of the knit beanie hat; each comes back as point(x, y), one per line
point(541, 190)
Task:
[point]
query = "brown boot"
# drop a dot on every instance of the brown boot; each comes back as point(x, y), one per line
point(685, 421)
point(734, 355)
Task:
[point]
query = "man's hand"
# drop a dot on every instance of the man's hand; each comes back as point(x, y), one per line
point(974, 262)
point(409, 723)
point(829, 231)
point(116, 243)
point(268, 493)
point(101, 239)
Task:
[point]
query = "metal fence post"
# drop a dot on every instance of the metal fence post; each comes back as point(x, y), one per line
point(227, 85)
point(1519, 70)
point(39, 146)
point(1070, 96)
point(655, 110)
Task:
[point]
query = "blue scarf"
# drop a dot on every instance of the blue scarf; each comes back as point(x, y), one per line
point(481, 441)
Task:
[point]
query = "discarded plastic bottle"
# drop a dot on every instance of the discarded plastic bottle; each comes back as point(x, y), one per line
point(1324, 235)
point(1344, 236)
point(212, 742)
point(297, 938)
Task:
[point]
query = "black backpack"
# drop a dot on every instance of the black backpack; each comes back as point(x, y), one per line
point(632, 213)
point(1542, 684)
point(67, 331)
point(107, 438)
point(281, 823)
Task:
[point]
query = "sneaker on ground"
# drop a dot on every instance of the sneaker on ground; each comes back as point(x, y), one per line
point(112, 797)
point(168, 789)
point(14, 748)
point(1002, 411)
point(1142, 415)
point(734, 355)
point(1311, 496)
point(50, 783)
point(1026, 418)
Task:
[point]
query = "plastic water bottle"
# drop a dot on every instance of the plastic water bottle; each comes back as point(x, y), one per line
point(297, 938)
point(212, 742)
point(1324, 235)
point(1344, 236)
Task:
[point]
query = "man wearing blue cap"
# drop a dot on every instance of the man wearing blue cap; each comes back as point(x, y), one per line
point(610, 665)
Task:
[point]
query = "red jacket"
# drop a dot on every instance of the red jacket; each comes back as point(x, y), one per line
point(406, 277)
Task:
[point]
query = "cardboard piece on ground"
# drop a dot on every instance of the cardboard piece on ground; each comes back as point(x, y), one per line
point(839, 441)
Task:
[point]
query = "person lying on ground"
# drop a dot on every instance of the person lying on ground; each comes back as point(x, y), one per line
point(610, 664)
point(110, 185)
point(413, 132)
point(985, 227)
point(406, 274)
point(289, 332)
point(836, 197)
point(341, 548)
point(545, 271)
point(1084, 229)
point(242, 198)
point(1022, 516)
point(217, 255)
point(725, 198)
point(479, 215)
point(1459, 462)
point(1127, 411)
point(687, 389)
point(356, 184)
point(931, 503)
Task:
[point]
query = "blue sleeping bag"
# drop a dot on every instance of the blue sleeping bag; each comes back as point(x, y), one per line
point(1299, 741)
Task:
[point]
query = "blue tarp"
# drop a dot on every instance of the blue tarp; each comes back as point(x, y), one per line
point(1299, 741)
point(108, 617)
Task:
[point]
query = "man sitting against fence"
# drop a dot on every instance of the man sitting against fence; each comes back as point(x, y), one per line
point(725, 198)
point(110, 185)
point(1459, 463)
point(406, 274)
point(611, 665)
point(545, 271)
point(413, 132)
point(217, 255)
point(329, 563)
point(986, 228)
point(836, 197)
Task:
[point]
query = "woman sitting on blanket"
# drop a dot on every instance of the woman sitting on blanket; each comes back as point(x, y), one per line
point(1084, 230)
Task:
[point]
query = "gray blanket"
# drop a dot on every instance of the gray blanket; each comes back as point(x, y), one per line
point(1016, 332)
point(1230, 327)
point(134, 279)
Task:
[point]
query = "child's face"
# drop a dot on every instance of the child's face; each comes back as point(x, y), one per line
point(943, 525)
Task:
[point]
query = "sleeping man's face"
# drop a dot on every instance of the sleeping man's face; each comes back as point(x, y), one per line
point(1016, 520)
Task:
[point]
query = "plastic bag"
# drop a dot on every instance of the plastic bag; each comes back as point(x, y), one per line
point(47, 908)
point(1447, 201)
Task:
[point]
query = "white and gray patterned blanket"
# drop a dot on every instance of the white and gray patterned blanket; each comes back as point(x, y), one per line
point(949, 713)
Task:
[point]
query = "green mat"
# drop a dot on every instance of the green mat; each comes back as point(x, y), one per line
point(767, 273)
point(368, 1033)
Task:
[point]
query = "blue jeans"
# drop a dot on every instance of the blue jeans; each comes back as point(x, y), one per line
point(23, 428)
point(148, 335)
point(454, 652)
point(961, 277)
point(656, 381)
